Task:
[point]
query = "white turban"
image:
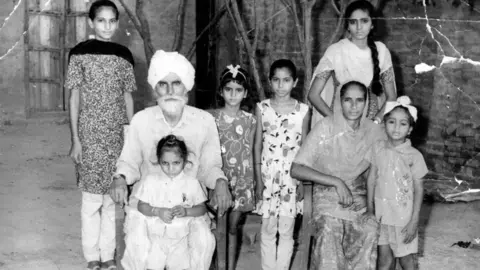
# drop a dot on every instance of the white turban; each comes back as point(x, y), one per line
point(164, 63)
point(403, 101)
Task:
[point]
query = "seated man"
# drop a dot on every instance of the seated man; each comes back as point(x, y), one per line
point(171, 76)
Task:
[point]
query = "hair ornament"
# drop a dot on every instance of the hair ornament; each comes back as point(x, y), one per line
point(233, 70)
point(403, 101)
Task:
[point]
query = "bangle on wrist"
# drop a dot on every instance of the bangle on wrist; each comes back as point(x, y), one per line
point(153, 211)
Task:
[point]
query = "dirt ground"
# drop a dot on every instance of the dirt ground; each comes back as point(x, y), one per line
point(40, 210)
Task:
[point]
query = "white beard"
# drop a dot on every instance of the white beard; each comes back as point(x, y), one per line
point(172, 107)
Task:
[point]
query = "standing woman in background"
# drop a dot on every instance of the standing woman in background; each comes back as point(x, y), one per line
point(356, 58)
point(100, 77)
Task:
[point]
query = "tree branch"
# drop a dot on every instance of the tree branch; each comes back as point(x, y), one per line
point(177, 41)
point(335, 7)
point(340, 22)
point(292, 7)
point(147, 40)
point(235, 13)
point(214, 21)
point(149, 49)
point(257, 31)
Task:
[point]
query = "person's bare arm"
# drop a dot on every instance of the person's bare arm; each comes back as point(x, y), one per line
point(129, 104)
point(257, 155)
point(305, 173)
point(314, 94)
point(371, 180)
point(306, 124)
point(388, 81)
point(76, 149)
point(195, 211)
point(410, 231)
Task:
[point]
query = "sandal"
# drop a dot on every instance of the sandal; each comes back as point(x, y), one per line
point(109, 265)
point(93, 265)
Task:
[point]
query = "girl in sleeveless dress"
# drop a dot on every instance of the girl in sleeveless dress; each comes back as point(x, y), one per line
point(282, 124)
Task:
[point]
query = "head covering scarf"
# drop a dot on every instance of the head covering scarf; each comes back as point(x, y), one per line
point(164, 63)
point(403, 101)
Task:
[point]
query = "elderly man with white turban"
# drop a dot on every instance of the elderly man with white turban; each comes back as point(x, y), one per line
point(171, 76)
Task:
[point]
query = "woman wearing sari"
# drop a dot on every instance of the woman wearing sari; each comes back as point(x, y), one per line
point(357, 58)
point(332, 157)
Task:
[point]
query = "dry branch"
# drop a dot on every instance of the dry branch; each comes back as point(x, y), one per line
point(304, 34)
point(147, 39)
point(214, 21)
point(240, 27)
point(142, 28)
point(339, 27)
point(177, 41)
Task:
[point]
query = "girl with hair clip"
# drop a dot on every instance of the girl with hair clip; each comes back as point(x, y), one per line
point(100, 78)
point(395, 187)
point(359, 58)
point(236, 129)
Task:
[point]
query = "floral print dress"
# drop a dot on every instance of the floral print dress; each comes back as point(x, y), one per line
point(102, 72)
point(282, 136)
point(236, 148)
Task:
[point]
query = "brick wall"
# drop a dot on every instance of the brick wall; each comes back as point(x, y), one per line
point(447, 132)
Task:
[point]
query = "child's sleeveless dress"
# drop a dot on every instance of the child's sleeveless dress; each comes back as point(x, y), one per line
point(282, 136)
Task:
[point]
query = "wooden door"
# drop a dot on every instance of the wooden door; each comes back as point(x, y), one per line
point(52, 28)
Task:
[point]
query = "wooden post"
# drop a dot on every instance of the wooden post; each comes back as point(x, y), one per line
point(221, 238)
point(119, 234)
point(205, 78)
point(306, 229)
point(26, 63)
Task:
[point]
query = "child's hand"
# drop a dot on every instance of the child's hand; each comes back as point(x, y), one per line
point(410, 231)
point(179, 211)
point(300, 191)
point(165, 214)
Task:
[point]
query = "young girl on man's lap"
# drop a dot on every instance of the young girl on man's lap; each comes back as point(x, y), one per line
point(169, 201)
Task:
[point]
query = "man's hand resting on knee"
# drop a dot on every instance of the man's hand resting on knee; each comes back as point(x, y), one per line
point(118, 190)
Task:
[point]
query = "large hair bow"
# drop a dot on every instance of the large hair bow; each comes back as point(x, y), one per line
point(233, 70)
point(403, 101)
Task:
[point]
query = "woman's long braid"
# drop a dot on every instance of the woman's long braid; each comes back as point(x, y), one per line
point(376, 86)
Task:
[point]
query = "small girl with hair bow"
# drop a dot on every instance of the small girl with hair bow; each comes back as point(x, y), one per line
point(236, 129)
point(395, 186)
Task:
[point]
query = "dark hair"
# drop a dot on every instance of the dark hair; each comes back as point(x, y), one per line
point(360, 85)
point(411, 121)
point(243, 79)
point(171, 143)
point(283, 63)
point(97, 5)
point(367, 7)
